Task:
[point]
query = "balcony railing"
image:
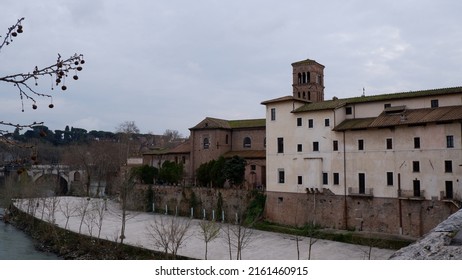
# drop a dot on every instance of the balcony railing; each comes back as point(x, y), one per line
point(366, 192)
point(411, 194)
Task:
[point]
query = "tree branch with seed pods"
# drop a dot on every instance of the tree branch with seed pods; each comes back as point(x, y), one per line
point(58, 72)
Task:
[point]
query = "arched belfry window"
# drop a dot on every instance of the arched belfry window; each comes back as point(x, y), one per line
point(304, 77)
point(299, 78)
point(206, 143)
point(247, 142)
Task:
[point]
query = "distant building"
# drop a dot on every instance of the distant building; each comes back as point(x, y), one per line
point(212, 138)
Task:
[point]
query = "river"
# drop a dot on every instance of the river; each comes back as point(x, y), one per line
point(16, 245)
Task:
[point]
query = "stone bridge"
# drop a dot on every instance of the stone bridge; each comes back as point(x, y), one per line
point(58, 173)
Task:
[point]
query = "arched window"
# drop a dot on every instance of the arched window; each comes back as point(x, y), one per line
point(247, 142)
point(206, 143)
point(77, 176)
point(299, 78)
point(304, 77)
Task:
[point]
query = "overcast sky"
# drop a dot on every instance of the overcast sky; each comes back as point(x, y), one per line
point(168, 64)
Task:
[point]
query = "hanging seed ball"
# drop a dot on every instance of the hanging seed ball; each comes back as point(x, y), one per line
point(20, 29)
point(14, 34)
point(63, 87)
point(79, 68)
point(34, 106)
point(58, 81)
point(76, 63)
point(82, 61)
point(51, 106)
point(75, 77)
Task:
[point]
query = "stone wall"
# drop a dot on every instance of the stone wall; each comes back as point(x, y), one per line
point(180, 200)
point(362, 213)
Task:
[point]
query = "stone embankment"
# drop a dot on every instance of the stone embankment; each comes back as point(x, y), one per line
point(444, 242)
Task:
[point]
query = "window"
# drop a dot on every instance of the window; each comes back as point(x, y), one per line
point(273, 114)
point(335, 145)
point(299, 121)
point(325, 180)
point(416, 142)
point(348, 110)
point(362, 183)
point(326, 122)
point(360, 144)
point(449, 190)
point(416, 186)
point(310, 123)
point(389, 178)
point(315, 146)
point(389, 143)
point(336, 178)
point(253, 167)
point(450, 141)
point(183, 159)
point(415, 166)
point(448, 166)
point(247, 142)
point(434, 103)
point(281, 175)
point(299, 180)
point(206, 143)
point(280, 145)
point(299, 147)
point(387, 105)
point(227, 139)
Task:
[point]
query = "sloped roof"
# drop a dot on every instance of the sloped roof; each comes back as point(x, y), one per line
point(213, 123)
point(306, 61)
point(335, 103)
point(182, 148)
point(406, 117)
point(249, 154)
point(283, 99)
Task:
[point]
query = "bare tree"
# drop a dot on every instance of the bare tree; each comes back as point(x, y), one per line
point(168, 233)
point(209, 231)
point(67, 209)
point(82, 209)
point(238, 236)
point(25, 81)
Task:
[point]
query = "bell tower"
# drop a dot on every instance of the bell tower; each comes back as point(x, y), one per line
point(308, 80)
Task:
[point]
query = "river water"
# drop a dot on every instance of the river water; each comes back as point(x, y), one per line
point(16, 245)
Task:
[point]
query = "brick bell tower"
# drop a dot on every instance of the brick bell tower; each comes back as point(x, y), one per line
point(308, 80)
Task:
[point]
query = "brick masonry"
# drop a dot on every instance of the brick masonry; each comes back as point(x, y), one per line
point(363, 213)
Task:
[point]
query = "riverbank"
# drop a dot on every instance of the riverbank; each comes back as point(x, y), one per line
point(69, 245)
point(262, 245)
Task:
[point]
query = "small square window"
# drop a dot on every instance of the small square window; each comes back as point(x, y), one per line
point(299, 147)
point(389, 143)
point(387, 105)
point(325, 179)
point(315, 146)
point(326, 122)
point(415, 166)
point(336, 179)
point(448, 166)
point(416, 142)
point(450, 141)
point(360, 144)
point(299, 121)
point(434, 103)
point(348, 110)
point(389, 178)
point(335, 145)
point(310, 123)
point(299, 180)
point(273, 114)
point(281, 176)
